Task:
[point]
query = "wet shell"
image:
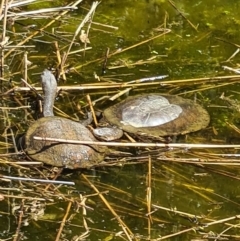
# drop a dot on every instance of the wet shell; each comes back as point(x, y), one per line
point(157, 115)
point(62, 155)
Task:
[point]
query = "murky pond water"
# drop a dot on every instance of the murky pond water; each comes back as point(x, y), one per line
point(163, 194)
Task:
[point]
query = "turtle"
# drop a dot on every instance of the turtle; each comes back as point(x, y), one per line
point(151, 114)
point(70, 156)
point(156, 115)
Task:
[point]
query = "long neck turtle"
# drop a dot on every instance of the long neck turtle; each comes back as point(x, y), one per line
point(57, 154)
point(157, 115)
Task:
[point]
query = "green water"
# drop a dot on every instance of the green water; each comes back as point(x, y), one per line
point(210, 192)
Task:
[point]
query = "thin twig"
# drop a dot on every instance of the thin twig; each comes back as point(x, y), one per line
point(231, 79)
point(87, 17)
point(139, 144)
point(18, 235)
point(165, 31)
point(92, 110)
point(37, 180)
point(41, 11)
point(126, 230)
point(44, 27)
point(3, 40)
point(174, 6)
point(63, 221)
point(149, 196)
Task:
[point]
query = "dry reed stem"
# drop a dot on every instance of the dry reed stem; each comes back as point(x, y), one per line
point(13, 140)
point(86, 39)
point(32, 89)
point(63, 114)
point(104, 64)
point(18, 234)
point(137, 63)
point(3, 39)
point(41, 11)
point(19, 102)
point(224, 220)
point(1, 9)
point(166, 31)
point(42, 29)
point(228, 42)
point(23, 197)
point(105, 25)
point(174, 6)
point(176, 234)
point(213, 222)
point(149, 195)
point(18, 165)
point(231, 79)
point(231, 57)
point(92, 110)
point(202, 161)
point(180, 213)
point(194, 216)
point(200, 191)
point(36, 180)
point(55, 177)
point(7, 125)
point(25, 64)
point(21, 3)
point(60, 62)
point(126, 230)
point(63, 221)
point(87, 17)
point(234, 127)
point(225, 230)
point(139, 144)
point(119, 94)
point(126, 200)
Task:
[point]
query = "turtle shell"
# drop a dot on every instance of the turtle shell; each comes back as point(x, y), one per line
point(157, 115)
point(58, 154)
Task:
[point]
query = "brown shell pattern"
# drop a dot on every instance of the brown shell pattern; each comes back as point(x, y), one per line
point(58, 154)
point(186, 115)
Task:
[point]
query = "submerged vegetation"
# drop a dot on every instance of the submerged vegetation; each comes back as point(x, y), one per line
point(183, 187)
